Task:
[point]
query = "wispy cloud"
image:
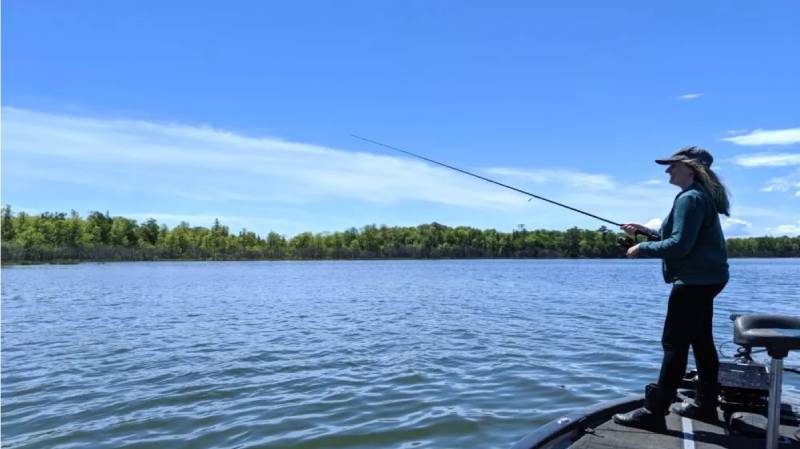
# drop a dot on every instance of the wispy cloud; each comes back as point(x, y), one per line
point(759, 137)
point(654, 223)
point(688, 97)
point(787, 229)
point(790, 182)
point(733, 132)
point(215, 165)
point(735, 226)
point(568, 177)
point(768, 160)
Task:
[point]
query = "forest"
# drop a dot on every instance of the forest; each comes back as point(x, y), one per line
point(62, 238)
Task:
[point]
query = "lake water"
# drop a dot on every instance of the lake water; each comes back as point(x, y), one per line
point(362, 354)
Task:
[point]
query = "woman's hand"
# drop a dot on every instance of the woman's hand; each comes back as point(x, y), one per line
point(631, 228)
point(633, 251)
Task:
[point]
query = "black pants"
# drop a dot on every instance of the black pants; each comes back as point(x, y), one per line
point(689, 317)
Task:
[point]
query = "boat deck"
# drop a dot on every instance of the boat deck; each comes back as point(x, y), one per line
point(744, 396)
point(594, 428)
point(682, 433)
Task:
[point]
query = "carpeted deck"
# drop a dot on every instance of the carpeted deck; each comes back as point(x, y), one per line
point(701, 436)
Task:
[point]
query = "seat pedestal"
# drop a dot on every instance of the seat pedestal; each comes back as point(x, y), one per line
point(774, 406)
point(779, 334)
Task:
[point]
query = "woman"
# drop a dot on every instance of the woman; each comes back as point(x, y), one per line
point(692, 248)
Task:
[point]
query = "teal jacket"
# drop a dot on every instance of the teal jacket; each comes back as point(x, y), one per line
point(692, 245)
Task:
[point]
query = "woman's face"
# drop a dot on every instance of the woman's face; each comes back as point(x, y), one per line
point(680, 174)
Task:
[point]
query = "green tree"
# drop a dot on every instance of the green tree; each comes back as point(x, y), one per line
point(29, 232)
point(149, 232)
point(73, 229)
point(123, 232)
point(216, 241)
point(248, 240)
point(276, 245)
point(572, 242)
point(177, 241)
point(7, 227)
point(303, 245)
point(97, 228)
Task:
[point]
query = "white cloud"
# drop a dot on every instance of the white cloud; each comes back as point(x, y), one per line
point(787, 229)
point(653, 182)
point(768, 160)
point(204, 163)
point(690, 96)
point(790, 182)
point(732, 132)
point(559, 176)
point(760, 213)
point(735, 226)
point(654, 223)
point(758, 137)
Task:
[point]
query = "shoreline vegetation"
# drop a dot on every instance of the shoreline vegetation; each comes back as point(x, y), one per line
point(54, 237)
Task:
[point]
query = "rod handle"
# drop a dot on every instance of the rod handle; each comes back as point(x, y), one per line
point(650, 237)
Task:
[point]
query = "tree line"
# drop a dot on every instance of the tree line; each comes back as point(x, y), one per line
point(61, 237)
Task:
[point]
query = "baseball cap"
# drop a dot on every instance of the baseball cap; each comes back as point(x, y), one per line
point(696, 154)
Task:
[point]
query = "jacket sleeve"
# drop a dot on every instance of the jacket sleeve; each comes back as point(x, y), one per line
point(687, 220)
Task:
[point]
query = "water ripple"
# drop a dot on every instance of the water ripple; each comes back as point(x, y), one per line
point(385, 354)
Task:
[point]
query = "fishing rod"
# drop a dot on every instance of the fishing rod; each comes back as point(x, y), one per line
point(375, 142)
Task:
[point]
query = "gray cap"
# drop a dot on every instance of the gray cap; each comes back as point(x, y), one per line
point(696, 154)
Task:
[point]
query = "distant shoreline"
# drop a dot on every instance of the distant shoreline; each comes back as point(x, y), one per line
point(6, 264)
point(57, 237)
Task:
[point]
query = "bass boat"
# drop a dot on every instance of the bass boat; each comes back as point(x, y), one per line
point(750, 411)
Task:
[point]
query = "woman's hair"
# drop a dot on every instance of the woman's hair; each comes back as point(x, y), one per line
point(711, 183)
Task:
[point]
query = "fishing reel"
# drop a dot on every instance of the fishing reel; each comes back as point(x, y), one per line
point(626, 241)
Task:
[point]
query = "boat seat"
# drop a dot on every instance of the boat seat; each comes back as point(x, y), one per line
point(779, 335)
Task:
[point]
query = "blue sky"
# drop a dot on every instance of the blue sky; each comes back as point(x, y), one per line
point(243, 110)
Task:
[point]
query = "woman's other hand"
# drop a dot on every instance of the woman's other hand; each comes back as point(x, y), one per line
point(632, 228)
point(633, 251)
